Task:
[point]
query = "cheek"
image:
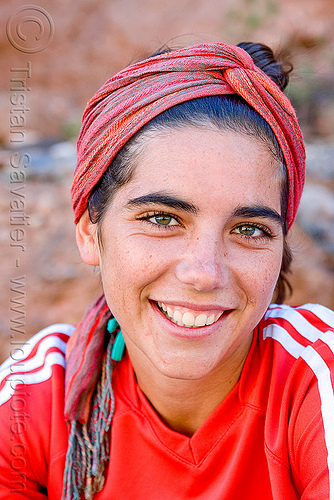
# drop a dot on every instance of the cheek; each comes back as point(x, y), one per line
point(258, 274)
point(129, 265)
point(269, 277)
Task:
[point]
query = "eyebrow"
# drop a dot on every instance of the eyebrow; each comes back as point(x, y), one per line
point(163, 199)
point(170, 201)
point(258, 211)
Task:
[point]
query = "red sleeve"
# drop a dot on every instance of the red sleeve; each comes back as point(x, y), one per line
point(33, 433)
point(302, 425)
point(309, 457)
point(312, 429)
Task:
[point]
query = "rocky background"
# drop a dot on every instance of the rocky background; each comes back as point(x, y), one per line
point(42, 278)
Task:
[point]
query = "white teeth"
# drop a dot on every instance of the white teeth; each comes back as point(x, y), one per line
point(162, 306)
point(188, 319)
point(177, 316)
point(210, 319)
point(201, 319)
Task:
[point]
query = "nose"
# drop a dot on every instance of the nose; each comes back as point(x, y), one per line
point(203, 265)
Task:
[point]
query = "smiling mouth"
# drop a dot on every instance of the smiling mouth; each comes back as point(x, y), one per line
point(188, 319)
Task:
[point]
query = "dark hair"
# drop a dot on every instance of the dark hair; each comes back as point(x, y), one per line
point(223, 112)
point(276, 68)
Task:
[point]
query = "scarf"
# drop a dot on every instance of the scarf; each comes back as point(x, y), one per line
point(116, 112)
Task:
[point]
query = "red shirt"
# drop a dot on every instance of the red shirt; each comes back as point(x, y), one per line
point(271, 438)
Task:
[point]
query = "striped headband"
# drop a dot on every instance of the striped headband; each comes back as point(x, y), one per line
point(142, 91)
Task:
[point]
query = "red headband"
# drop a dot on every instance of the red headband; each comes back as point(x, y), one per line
point(144, 90)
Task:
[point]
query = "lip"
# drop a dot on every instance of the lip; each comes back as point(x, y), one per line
point(195, 308)
point(189, 332)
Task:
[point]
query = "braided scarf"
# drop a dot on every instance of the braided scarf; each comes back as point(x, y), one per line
point(117, 111)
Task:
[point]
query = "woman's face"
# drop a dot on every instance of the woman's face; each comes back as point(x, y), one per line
point(192, 249)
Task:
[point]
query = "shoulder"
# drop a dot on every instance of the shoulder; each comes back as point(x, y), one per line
point(305, 335)
point(300, 329)
point(33, 362)
point(295, 346)
point(301, 345)
point(301, 339)
point(33, 432)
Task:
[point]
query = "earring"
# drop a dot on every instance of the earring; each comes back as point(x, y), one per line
point(119, 344)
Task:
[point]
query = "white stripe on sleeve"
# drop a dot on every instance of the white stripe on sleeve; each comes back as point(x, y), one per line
point(303, 327)
point(53, 358)
point(38, 368)
point(322, 372)
point(30, 344)
point(279, 334)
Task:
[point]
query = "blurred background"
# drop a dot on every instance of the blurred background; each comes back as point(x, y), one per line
point(56, 55)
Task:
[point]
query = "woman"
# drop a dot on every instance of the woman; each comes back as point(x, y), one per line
point(190, 171)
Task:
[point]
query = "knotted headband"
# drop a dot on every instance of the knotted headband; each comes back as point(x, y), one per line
point(118, 110)
point(140, 92)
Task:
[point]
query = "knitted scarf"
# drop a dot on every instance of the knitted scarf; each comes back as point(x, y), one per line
point(116, 112)
point(89, 402)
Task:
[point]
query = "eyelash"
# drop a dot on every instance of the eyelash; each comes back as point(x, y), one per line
point(267, 234)
point(151, 215)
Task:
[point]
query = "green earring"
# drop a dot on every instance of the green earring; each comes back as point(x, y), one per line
point(119, 344)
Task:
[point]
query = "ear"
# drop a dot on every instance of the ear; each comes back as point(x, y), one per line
point(86, 236)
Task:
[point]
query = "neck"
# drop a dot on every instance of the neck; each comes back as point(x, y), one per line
point(183, 405)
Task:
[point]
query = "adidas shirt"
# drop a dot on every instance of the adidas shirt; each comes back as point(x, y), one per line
point(271, 438)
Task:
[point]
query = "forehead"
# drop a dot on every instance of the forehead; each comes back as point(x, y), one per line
point(207, 161)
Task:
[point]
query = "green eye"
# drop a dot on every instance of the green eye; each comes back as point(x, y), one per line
point(248, 230)
point(163, 220)
point(160, 220)
point(252, 231)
